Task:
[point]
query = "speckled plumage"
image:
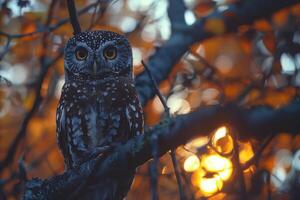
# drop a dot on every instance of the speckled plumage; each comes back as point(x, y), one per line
point(98, 105)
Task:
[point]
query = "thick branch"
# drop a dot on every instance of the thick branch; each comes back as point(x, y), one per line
point(262, 121)
point(162, 62)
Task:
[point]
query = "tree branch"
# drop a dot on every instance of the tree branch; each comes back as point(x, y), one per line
point(43, 29)
point(73, 17)
point(10, 155)
point(170, 135)
point(182, 37)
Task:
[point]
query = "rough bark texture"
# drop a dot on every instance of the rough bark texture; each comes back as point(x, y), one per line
point(262, 121)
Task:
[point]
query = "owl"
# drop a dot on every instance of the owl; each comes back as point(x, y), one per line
point(99, 106)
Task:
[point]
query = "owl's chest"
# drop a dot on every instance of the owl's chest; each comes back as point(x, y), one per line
point(107, 96)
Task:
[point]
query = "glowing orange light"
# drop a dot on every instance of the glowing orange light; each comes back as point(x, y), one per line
point(218, 164)
point(196, 143)
point(246, 152)
point(164, 170)
point(197, 176)
point(249, 171)
point(209, 186)
point(191, 164)
point(222, 141)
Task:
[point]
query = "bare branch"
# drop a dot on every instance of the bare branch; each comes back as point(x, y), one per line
point(162, 62)
point(22, 132)
point(154, 139)
point(43, 29)
point(73, 17)
point(170, 135)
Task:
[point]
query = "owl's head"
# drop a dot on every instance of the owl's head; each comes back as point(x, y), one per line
point(98, 54)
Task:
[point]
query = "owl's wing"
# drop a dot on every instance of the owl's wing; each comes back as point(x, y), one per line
point(62, 139)
point(125, 123)
point(134, 116)
point(70, 136)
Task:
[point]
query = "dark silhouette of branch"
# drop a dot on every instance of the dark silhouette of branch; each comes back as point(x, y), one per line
point(10, 37)
point(45, 34)
point(259, 152)
point(154, 145)
point(73, 17)
point(239, 171)
point(183, 36)
point(154, 140)
point(38, 99)
point(170, 135)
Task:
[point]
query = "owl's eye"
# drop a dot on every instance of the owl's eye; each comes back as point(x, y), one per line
point(81, 53)
point(110, 52)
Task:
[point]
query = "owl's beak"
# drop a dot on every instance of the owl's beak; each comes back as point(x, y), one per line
point(95, 68)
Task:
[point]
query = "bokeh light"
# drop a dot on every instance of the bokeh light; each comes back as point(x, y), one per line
point(207, 185)
point(137, 56)
point(177, 103)
point(149, 33)
point(17, 74)
point(246, 152)
point(287, 64)
point(128, 24)
point(189, 17)
point(196, 143)
point(222, 141)
point(224, 63)
point(217, 164)
point(140, 6)
point(210, 186)
point(192, 163)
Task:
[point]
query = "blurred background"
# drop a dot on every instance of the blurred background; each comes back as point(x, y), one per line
point(259, 65)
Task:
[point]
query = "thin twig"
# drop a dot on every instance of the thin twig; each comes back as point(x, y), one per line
point(43, 71)
point(51, 28)
point(22, 132)
point(177, 174)
point(93, 17)
point(259, 152)
point(239, 169)
point(46, 34)
point(268, 180)
point(161, 98)
point(154, 145)
point(172, 151)
point(153, 167)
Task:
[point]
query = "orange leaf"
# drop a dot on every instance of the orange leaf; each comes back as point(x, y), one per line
point(269, 41)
